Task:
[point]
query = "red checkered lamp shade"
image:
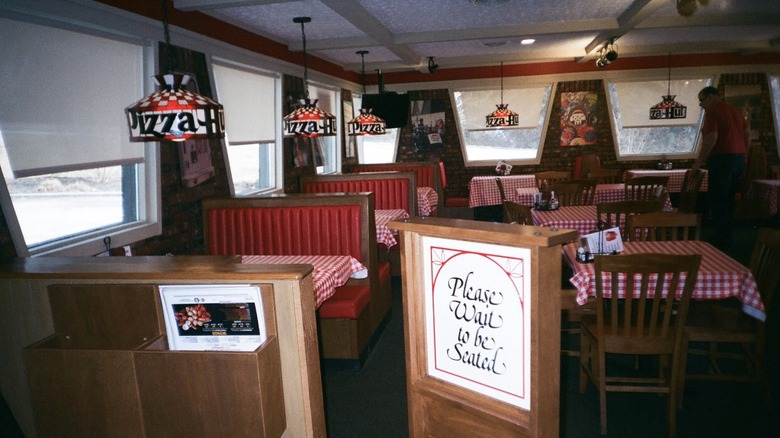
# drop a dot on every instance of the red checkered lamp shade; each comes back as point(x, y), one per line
point(175, 113)
point(309, 121)
point(366, 123)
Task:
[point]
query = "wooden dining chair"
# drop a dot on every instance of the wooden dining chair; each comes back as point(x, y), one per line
point(588, 190)
point(544, 179)
point(501, 189)
point(643, 322)
point(719, 326)
point(663, 225)
point(614, 214)
point(515, 213)
point(646, 187)
point(606, 176)
point(570, 193)
point(689, 192)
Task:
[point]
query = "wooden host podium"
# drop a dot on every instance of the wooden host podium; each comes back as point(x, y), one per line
point(482, 327)
point(88, 335)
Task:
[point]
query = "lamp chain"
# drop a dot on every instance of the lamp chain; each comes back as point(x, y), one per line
point(167, 36)
point(669, 80)
point(305, 64)
point(363, 69)
point(502, 83)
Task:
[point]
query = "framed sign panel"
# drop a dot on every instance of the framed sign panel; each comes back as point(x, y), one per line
point(482, 308)
point(477, 313)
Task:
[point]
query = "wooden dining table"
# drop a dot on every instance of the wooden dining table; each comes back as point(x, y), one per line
point(604, 193)
point(720, 276)
point(483, 190)
point(384, 234)
point(676, 177)
point(766, 192)
point(427, 201)
point(330, 271)
point(582, 218)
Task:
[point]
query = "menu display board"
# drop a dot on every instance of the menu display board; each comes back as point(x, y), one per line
point(213, 317)
point(478, 316)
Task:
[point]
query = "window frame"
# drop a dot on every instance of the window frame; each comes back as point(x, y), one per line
point(277, 182)
point(148, 178)
point(655, 77)
point(545, 114)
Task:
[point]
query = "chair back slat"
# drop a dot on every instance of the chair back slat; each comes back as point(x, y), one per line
point(646, 187)
point(663, 226)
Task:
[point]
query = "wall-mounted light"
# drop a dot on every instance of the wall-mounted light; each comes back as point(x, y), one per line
point(432, 66)
point(307, 120)
point(608, 54)
point(365, 123)
point(174, 113)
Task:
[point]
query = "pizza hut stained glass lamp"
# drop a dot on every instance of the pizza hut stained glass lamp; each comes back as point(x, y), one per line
point(365, 123)
point(668, 108)
point(502, 117)
point(174, 112)
point(307, 120)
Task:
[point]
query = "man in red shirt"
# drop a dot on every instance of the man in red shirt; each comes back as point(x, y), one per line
point(725, 139)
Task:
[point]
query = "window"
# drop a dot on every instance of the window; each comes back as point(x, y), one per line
point(774, 90)
point(71, 175)
point(637, 136)
point(252, 125)
point(327, 158)
point(518, 145)
point(375, 149)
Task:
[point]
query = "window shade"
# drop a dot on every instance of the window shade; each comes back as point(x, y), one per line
point(249, 102)
point(64, 95)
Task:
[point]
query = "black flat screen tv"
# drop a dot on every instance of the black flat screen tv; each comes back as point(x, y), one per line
point(390, 106)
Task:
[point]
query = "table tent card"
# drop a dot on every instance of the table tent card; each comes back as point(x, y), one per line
point(213, 317)
point(606, 241)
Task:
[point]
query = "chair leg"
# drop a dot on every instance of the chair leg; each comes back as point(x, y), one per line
point(585, 362)
point(602, 385)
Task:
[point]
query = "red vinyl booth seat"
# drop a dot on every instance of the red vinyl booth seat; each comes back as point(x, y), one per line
point(321, 230)
point(348, 302)
point(390, 194)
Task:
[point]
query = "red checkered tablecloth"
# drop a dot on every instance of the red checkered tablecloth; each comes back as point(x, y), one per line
point(675, 177)
point(720, 276)
point(330, 271)
point(766, 191)
point(581, 218)
point(483, 190)
point(427, 200)
point(604, 193)
point(383, 233)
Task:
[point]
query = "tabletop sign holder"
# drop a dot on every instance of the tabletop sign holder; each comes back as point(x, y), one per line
point(482, 324)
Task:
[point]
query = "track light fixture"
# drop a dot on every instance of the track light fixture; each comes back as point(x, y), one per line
point(608, 54)
point(432, 66)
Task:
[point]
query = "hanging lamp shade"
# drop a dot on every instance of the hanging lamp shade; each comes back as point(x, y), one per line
point(309, 121)
point(175, 113)
point(668, 108)
point(366, 123)
point(502, 117)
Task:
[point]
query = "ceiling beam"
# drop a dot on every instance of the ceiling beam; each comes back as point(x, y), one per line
point(637, 12)
point(205, 5)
